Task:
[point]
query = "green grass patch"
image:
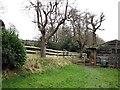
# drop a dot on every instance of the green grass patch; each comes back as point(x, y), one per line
point(70, 76)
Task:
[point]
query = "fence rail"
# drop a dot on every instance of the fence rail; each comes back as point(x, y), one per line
point(34, 50)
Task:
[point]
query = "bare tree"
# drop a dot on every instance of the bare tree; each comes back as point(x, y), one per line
point(80, 27)
point(95, 25)
point(49, 18)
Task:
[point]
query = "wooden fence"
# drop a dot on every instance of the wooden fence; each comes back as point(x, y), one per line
point(34, 50)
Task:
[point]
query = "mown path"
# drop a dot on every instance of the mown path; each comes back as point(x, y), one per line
point(71, 76)
point(101, 77)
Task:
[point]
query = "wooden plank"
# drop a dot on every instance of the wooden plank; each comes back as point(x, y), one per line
point(34, 50)
point(32, 47)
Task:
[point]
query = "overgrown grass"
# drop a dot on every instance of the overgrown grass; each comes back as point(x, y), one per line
point(70, 76)
point(36, 64)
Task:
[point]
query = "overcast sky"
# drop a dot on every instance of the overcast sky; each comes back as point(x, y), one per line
point(15, 14)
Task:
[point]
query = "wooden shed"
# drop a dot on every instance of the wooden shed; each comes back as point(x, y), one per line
point(110, 50)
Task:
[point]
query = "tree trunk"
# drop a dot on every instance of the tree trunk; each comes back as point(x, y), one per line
point(81, 51)
point(94, 39)
point(43, 46)
point(94, 58)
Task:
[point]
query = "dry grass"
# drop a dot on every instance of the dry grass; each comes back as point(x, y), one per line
point(36, 64)
point(60, 61)
point(32, 63)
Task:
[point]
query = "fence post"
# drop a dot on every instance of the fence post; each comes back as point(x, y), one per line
point(63, 52)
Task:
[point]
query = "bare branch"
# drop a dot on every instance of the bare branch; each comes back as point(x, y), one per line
point(33, 4)
point(59, 23)
point(96, 25)
point(38, 14)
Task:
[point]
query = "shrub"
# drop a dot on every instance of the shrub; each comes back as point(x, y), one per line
point(13, 51)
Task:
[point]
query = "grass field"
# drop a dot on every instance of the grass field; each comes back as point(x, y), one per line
point(71, 76)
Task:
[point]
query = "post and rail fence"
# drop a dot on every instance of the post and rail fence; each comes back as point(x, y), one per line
point(34, 50)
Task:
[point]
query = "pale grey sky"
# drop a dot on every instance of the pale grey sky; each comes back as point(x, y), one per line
point(15, 14)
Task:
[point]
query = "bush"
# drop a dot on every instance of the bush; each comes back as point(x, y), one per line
point(13, 51)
